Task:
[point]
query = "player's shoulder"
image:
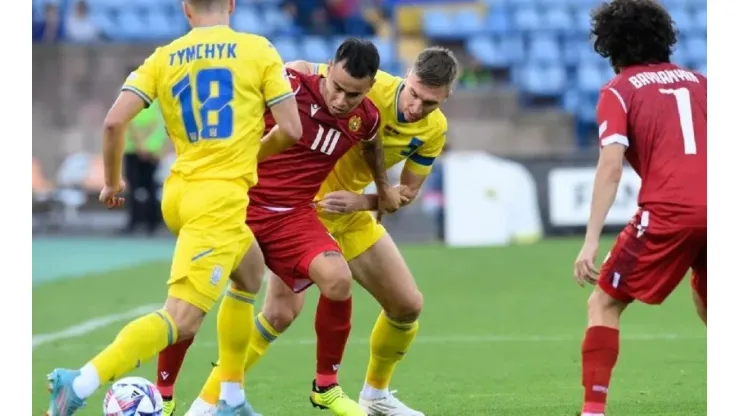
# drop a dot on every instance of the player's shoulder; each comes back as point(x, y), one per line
point(383, 93)
point(437, 123)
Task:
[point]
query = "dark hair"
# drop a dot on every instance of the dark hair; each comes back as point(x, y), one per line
point(358, 57)
point(436, 67)
point(633, 32)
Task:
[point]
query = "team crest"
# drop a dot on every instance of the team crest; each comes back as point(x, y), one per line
point(354, 124)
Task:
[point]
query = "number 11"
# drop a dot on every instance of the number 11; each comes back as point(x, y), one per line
point(683, 100)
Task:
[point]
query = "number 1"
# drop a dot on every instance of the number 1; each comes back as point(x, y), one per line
point(683, 100)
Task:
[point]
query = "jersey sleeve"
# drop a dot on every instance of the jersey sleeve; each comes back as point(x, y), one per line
point(143, 81)
point(374, 123)
point(421, 161)
point(275, 86)
point(611, 115)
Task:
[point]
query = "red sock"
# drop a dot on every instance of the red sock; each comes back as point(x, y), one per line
point(599, 353)
point(168, 366)
point(333, 324)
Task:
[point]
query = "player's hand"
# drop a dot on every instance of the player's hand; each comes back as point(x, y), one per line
point(584, 270)
point(389, 200)
point(110, 196)
point(342, 202)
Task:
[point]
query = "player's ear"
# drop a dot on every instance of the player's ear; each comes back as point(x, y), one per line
point(232, 5)
point(186, 10)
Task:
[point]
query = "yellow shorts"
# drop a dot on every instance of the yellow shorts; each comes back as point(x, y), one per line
point(355, 233)
point(208, 218)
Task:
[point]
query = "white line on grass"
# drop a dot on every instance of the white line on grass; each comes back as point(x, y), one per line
point(86, 327)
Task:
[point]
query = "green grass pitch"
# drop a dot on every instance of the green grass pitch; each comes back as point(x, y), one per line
point(500, 335)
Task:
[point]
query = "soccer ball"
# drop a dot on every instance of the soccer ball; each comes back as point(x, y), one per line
point(132, 396)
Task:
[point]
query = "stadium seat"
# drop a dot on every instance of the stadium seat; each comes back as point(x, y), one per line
point(590, 77)
point(487, 51)
point(514, 48)
point(279, 22)
point(700, 20)
point(104, 21)
point(287, 48)
point(558, 19)
point(467, 22)
point(130, 26)
point(526, 19)
point(544, 49)
point(246, 19)
point(702, 68)
point(696, 50)
point(684, 21)
point(680, 55)
point(544, 80)
point(438, 24)
point(582, 22)
point(498, 21)
point(386, 49)
point(160, 26)
point(316, 49)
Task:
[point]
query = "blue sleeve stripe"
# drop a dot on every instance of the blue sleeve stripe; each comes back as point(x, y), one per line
point(140, 93)
point(422, 160)
point(280, 98)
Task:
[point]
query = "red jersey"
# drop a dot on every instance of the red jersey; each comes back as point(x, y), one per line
point(293, 178)
point(659, 112)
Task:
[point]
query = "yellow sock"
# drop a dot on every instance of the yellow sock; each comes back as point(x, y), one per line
point(389, 343)
point(234, 326)
point(138, 342)
point(261, 340)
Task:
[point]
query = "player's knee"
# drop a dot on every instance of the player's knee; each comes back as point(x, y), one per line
point(604, 309)
point(248, 275)
point(332, 276)
point(187, 318)
point(281, 318)
point(408, 309)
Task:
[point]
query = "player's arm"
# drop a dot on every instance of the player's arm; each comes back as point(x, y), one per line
point(279, 95)
point(611, 114)
point(276, 141)
point(138, 92)
point(389, 199)
point(303, 67)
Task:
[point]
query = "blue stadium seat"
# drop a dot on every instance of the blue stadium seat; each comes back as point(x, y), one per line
point(438, 24)
point(514, 48)
point(160, 26)
point(279, 22)
point(558, 19)
point(288, 49)
point(498, 21)
point(582, 21)
point(680, 55)
point(590, 77)
point(586, 111)
point(467, 22)
point(487, 51)
point(544, 49)
point(527, 19)
point(246, 19)
point(683, 19)
point(130, 26)
point(543, 80)
point(702, 68)
point(700, 19)
point(516, 3)
point(316, 49)
point(386, 49)
point(696, 49)
point(104, 21)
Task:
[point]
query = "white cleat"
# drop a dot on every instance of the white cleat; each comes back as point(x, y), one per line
point(201, 408)
point(387, 405)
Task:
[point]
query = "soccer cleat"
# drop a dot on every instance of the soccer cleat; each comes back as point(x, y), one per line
point(64, 400)
point(387, 406)
point(168, 406)
point(244, 409)
point(334, 399)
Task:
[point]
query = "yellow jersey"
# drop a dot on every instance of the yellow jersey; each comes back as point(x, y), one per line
point(213, 85)
point(418, 143)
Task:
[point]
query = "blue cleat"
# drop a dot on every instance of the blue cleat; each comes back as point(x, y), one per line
point(64, 400)
point(244, 409)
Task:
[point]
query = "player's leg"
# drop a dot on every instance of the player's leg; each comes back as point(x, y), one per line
point(280, 309)
point(378, 266)
point(699, 284)
point(646, 263)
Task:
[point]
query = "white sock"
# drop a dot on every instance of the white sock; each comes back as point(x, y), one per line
point(371, 393)
point(232, 393)
point(87, 382)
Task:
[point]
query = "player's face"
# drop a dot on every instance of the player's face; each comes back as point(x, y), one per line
point(418, 100)
point(343, 93)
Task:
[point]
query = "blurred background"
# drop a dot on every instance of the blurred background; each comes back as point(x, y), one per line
point(514, 182)
point(521, 120)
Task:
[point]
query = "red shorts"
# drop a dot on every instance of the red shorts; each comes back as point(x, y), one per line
point(290, 240)
point(650, 258)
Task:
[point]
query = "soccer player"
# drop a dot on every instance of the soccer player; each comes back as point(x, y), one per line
point(336, 116)
point(213, 85)
point(413, 131)
point(654, 114)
